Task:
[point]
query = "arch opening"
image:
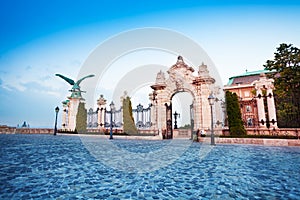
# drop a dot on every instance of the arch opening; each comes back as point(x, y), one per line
point(182, 114)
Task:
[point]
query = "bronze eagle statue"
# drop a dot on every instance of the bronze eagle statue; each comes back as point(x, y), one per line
point(76, 85)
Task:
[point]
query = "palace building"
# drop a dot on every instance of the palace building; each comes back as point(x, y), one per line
point(255, 92)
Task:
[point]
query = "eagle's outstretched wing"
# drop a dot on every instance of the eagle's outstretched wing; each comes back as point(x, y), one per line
point(72, 82)
point(88, 76)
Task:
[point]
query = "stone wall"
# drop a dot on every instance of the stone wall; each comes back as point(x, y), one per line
point(7, 130)
point(271, 131)
point(181, 133)
point(13, 130)
point(254, 141)
point(34, 130)
point(107, 130)
point(259, 141)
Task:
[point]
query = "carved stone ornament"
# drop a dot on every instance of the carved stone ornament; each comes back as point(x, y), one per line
point(203, 71)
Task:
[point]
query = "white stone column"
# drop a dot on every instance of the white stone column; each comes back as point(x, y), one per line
point(260, 107)
point(161, 115)
point(99, 117)
point(74, 103)
point(264, 83)
point(206, 115)
point(65, 116)
point(154, 115)
point(271, 108)
point(101, 102)
point(218, 110)
point(197, 113)
point(63, 123)
point(101, 112)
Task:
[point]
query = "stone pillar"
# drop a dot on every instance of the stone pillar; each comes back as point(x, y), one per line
point(74, 103)
point(203, 83)
point(153, 110)
point(197, 106)
point(161, 114)
point(65, 114)
point(101, 102)
point(206, 115)
point(218, 111)
point(154, 116)
point(260, 108)
point(267, 85)
point(271, 107)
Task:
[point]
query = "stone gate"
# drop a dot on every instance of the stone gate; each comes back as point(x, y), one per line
point(183, 78)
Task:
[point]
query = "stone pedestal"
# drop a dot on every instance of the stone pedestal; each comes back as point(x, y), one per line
point(73, 108)
point(101, 103)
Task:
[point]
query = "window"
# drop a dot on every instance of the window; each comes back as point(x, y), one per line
point(248, 108)
point(249, 122)
point(246, 93)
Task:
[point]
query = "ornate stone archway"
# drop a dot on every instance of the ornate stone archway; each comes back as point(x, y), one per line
point(183, 78)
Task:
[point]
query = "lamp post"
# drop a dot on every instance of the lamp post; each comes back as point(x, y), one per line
point(112, 108)
point(211, 100)
point(55, 126)
point(154, 98)
point(175, 121)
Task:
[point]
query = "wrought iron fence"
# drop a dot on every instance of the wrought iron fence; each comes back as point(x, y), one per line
point(142, 116)
point(92, 118)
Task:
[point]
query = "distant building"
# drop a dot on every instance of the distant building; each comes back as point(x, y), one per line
point(25, 125)
point(255, 92)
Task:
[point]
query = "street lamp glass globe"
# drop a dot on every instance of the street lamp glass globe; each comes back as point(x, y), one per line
point(211, 99)
point(112, 106)
point(57, 109)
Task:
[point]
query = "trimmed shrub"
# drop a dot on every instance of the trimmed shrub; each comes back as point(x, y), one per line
point(235, 122)
point(81, 118)
point(128, 120)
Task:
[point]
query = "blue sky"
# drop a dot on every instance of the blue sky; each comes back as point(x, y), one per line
point(41, 38)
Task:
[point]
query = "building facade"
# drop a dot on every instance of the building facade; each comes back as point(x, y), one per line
point(255, 93)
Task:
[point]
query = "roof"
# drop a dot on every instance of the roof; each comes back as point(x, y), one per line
point(247, 77)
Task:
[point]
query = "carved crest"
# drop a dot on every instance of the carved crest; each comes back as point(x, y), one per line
point(182, 65)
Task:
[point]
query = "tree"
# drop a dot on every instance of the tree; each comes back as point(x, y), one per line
point(81, 118)
point(128, 120)
point(286, 64)
point(234, 115)
point(186, 126)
